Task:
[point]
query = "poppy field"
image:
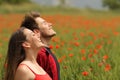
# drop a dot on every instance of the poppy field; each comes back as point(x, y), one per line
point(86, 46)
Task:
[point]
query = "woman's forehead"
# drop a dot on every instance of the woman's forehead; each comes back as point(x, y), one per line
point(27, 32)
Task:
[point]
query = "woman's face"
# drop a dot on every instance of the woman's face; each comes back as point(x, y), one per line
point(32, 39)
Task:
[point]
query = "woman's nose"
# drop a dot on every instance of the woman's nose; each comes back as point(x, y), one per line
point(37, 35)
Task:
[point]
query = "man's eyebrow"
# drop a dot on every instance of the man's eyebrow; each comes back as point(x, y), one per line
point(44, 21)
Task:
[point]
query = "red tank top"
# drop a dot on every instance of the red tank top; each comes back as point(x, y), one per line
point(38, 76)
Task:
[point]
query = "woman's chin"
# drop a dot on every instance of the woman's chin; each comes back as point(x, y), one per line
point(41, 45)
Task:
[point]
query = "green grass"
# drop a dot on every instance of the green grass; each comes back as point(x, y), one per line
point(6, 8)
point(21, 8)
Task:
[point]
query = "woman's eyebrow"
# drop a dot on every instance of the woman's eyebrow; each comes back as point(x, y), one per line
point(30, 34)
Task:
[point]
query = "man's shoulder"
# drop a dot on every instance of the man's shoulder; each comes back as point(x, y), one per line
point(42, 52)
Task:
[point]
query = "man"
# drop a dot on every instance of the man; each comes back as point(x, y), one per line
point(43, 29)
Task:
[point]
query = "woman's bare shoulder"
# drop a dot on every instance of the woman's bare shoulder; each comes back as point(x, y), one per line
point(22, 72)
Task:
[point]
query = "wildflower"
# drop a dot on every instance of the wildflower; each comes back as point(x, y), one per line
point(57, 46)
point(60, 60)
point(85, 73)
point(100, 64)
point(107, 67)
point(116, 33)
point(63, 57)
point(82, 34)
point(99, 46)
point(109, 42)
point(51, 46)
point(55, 39)
point(90, 55)
point(76, 44)
point(83, 51)
point(75, 38)
point(95, 51)
point(105, 57)
point(83, 58)
point(62, 43)
point(69, 48)
point(71, 55)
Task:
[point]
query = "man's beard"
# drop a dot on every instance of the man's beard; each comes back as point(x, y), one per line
point(47, 36)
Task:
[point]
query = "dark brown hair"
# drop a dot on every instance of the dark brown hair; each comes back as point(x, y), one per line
point(29, 21)
point(15, 53)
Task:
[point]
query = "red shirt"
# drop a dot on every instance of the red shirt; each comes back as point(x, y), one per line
point(49, 63)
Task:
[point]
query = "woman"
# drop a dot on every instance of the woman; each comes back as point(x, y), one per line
point(21, 57)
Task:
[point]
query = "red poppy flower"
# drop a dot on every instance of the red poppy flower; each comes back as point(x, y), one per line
point(85, 73)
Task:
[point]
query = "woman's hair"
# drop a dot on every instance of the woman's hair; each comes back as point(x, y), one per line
point(15, 53)
point(29, 21)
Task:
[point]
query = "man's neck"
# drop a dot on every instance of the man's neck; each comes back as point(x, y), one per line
point(46, 41)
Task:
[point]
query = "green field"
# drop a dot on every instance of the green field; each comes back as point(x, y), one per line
point(87, 41)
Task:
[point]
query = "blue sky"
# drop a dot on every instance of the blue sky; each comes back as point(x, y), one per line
point(95, 4)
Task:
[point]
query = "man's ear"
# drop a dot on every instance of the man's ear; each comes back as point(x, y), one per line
point(26, 44)
point(36, 31)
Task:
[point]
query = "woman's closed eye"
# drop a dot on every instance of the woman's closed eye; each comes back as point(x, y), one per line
point(44, 22)
point(33, 34)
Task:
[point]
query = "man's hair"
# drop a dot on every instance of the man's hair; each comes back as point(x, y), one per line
point(29, 21)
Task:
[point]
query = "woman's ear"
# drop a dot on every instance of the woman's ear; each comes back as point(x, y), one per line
point(26, 44)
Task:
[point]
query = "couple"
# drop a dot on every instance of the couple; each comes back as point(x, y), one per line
point(29, 56)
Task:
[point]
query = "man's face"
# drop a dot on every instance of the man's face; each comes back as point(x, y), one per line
point(45, 28)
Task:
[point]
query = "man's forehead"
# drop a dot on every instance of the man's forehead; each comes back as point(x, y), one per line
point(39, 19)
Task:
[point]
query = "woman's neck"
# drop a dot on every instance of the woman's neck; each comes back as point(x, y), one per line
point(31, 56)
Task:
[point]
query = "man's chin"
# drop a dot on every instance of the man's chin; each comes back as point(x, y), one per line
point(49, 36)
point(52, 35)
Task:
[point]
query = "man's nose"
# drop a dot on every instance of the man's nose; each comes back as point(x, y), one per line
point(50, 24)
